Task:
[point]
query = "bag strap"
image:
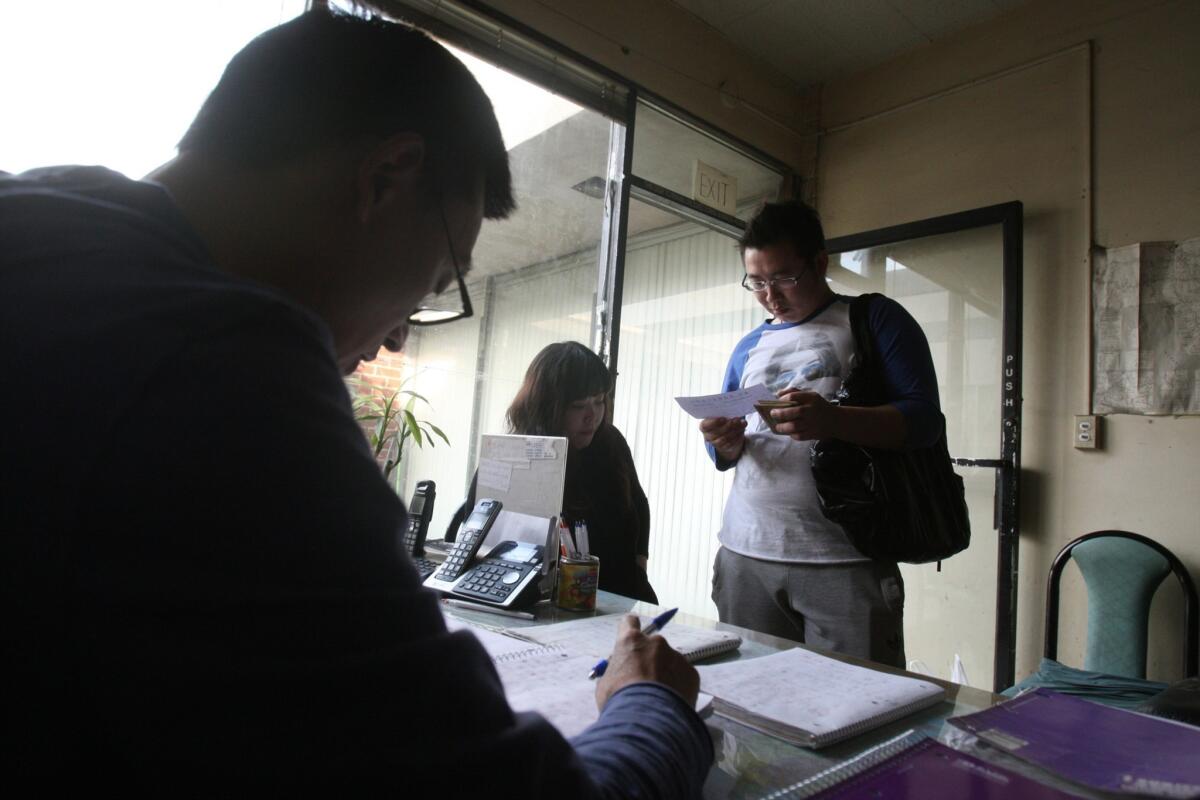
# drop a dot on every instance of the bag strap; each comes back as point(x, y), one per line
point(860, 326)
point(864, 386)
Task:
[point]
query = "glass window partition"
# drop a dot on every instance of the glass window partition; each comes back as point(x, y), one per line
point(531, 308)
point(669, 153)
point(533, 281)
point(440, 363)
point(682, 313)
point(952, 284)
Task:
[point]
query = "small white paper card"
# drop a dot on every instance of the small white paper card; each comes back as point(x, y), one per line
point(495, 474)
point(540, 447)
point(738, 403)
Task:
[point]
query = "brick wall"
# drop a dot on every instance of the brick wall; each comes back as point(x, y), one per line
point(381, 377)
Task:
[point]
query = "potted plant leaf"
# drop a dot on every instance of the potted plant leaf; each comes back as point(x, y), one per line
point(389, 419)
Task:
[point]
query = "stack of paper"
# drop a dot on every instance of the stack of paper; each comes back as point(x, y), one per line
point(812, 700)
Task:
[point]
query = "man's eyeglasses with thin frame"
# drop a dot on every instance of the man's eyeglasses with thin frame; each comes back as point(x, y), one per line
point(425, 315)
point(757, 285)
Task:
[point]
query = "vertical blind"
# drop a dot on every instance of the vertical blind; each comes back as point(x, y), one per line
point(682, 314)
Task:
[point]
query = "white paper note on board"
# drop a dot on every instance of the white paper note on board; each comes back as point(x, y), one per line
point(539, 447)
point(494, 474)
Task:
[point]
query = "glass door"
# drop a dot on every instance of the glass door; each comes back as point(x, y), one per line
point(960, 278)
point(681, 314)
point(675, 310)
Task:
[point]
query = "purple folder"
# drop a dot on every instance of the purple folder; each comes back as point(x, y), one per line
point(1092, 744)
point(926, 770)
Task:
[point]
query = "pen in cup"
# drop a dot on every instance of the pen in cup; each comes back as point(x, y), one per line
point(654, 627)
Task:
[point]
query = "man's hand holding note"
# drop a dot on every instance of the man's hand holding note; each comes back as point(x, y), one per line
point(723, 417)
point(730, 405)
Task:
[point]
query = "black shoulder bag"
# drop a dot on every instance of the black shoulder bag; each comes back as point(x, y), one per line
point(895, 505)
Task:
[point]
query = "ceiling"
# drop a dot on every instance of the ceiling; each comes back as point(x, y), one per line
point(556, 218)
point(812, 41)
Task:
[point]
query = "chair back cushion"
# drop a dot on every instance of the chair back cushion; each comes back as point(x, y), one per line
point(1121, 576)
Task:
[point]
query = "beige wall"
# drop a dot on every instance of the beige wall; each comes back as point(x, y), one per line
point(1088, 111)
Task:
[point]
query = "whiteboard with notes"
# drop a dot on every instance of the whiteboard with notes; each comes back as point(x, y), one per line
point(527, 475)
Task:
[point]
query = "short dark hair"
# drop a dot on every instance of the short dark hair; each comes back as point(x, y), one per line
point(325, 78)
point(559, 374)
point(787, 221)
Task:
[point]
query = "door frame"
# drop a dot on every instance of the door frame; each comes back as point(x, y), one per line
point(1006, 513)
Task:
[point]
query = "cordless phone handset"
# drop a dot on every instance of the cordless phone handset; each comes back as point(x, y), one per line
point(420, 511)
point(474, 530)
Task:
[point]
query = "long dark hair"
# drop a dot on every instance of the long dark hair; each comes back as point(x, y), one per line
point(559, 374)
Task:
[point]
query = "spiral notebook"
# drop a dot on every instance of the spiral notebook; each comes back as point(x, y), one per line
point(1109, 749)
point(594, 636)
point(913, 767)
point(548, 679)
point(554, 683)
point(812, 700)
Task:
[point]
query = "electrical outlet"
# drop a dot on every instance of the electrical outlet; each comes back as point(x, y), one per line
point(1087, 432)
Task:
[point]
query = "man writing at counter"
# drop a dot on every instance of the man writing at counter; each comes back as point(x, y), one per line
point(207, 596)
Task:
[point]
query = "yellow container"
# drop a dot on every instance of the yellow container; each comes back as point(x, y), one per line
point(578, 579)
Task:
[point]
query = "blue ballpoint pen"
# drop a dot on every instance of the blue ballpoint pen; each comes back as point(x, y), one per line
point(654, 627)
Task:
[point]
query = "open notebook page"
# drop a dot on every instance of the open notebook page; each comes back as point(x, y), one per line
point(555, 684)
point(495, 642)
point(594, 636)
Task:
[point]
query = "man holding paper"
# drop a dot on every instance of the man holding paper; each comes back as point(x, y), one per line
point(783, 568)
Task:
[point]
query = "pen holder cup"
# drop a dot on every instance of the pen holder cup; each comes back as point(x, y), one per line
point(578, 579)
point(763, 407)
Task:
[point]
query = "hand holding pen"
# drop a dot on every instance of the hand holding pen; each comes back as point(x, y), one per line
point(654, 627)
point(637, 658)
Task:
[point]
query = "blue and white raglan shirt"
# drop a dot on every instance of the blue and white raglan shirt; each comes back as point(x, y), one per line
point(773, 512)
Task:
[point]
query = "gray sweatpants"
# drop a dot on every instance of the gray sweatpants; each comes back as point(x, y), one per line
point(857, 608)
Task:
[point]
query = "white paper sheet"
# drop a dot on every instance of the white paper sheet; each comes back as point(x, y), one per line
point(494, 475)
point(539, 448)
point(1146, 328)
point(739, 403)
point(496, 643)
point(594, 636)
point(555, 684)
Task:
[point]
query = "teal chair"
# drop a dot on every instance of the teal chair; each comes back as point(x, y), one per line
point(1122, 571)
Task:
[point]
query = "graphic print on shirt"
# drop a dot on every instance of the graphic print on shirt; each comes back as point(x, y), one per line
point(772, 511)
point(801, 363)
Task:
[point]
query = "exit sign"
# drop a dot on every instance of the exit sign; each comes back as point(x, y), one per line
point(714, 188)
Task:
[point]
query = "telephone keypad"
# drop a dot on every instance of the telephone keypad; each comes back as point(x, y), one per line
point(425, 567)
point(493, 581)
point(457, 560)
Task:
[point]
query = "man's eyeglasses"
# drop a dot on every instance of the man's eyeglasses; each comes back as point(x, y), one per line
point(761, 284)
point(427, 315)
